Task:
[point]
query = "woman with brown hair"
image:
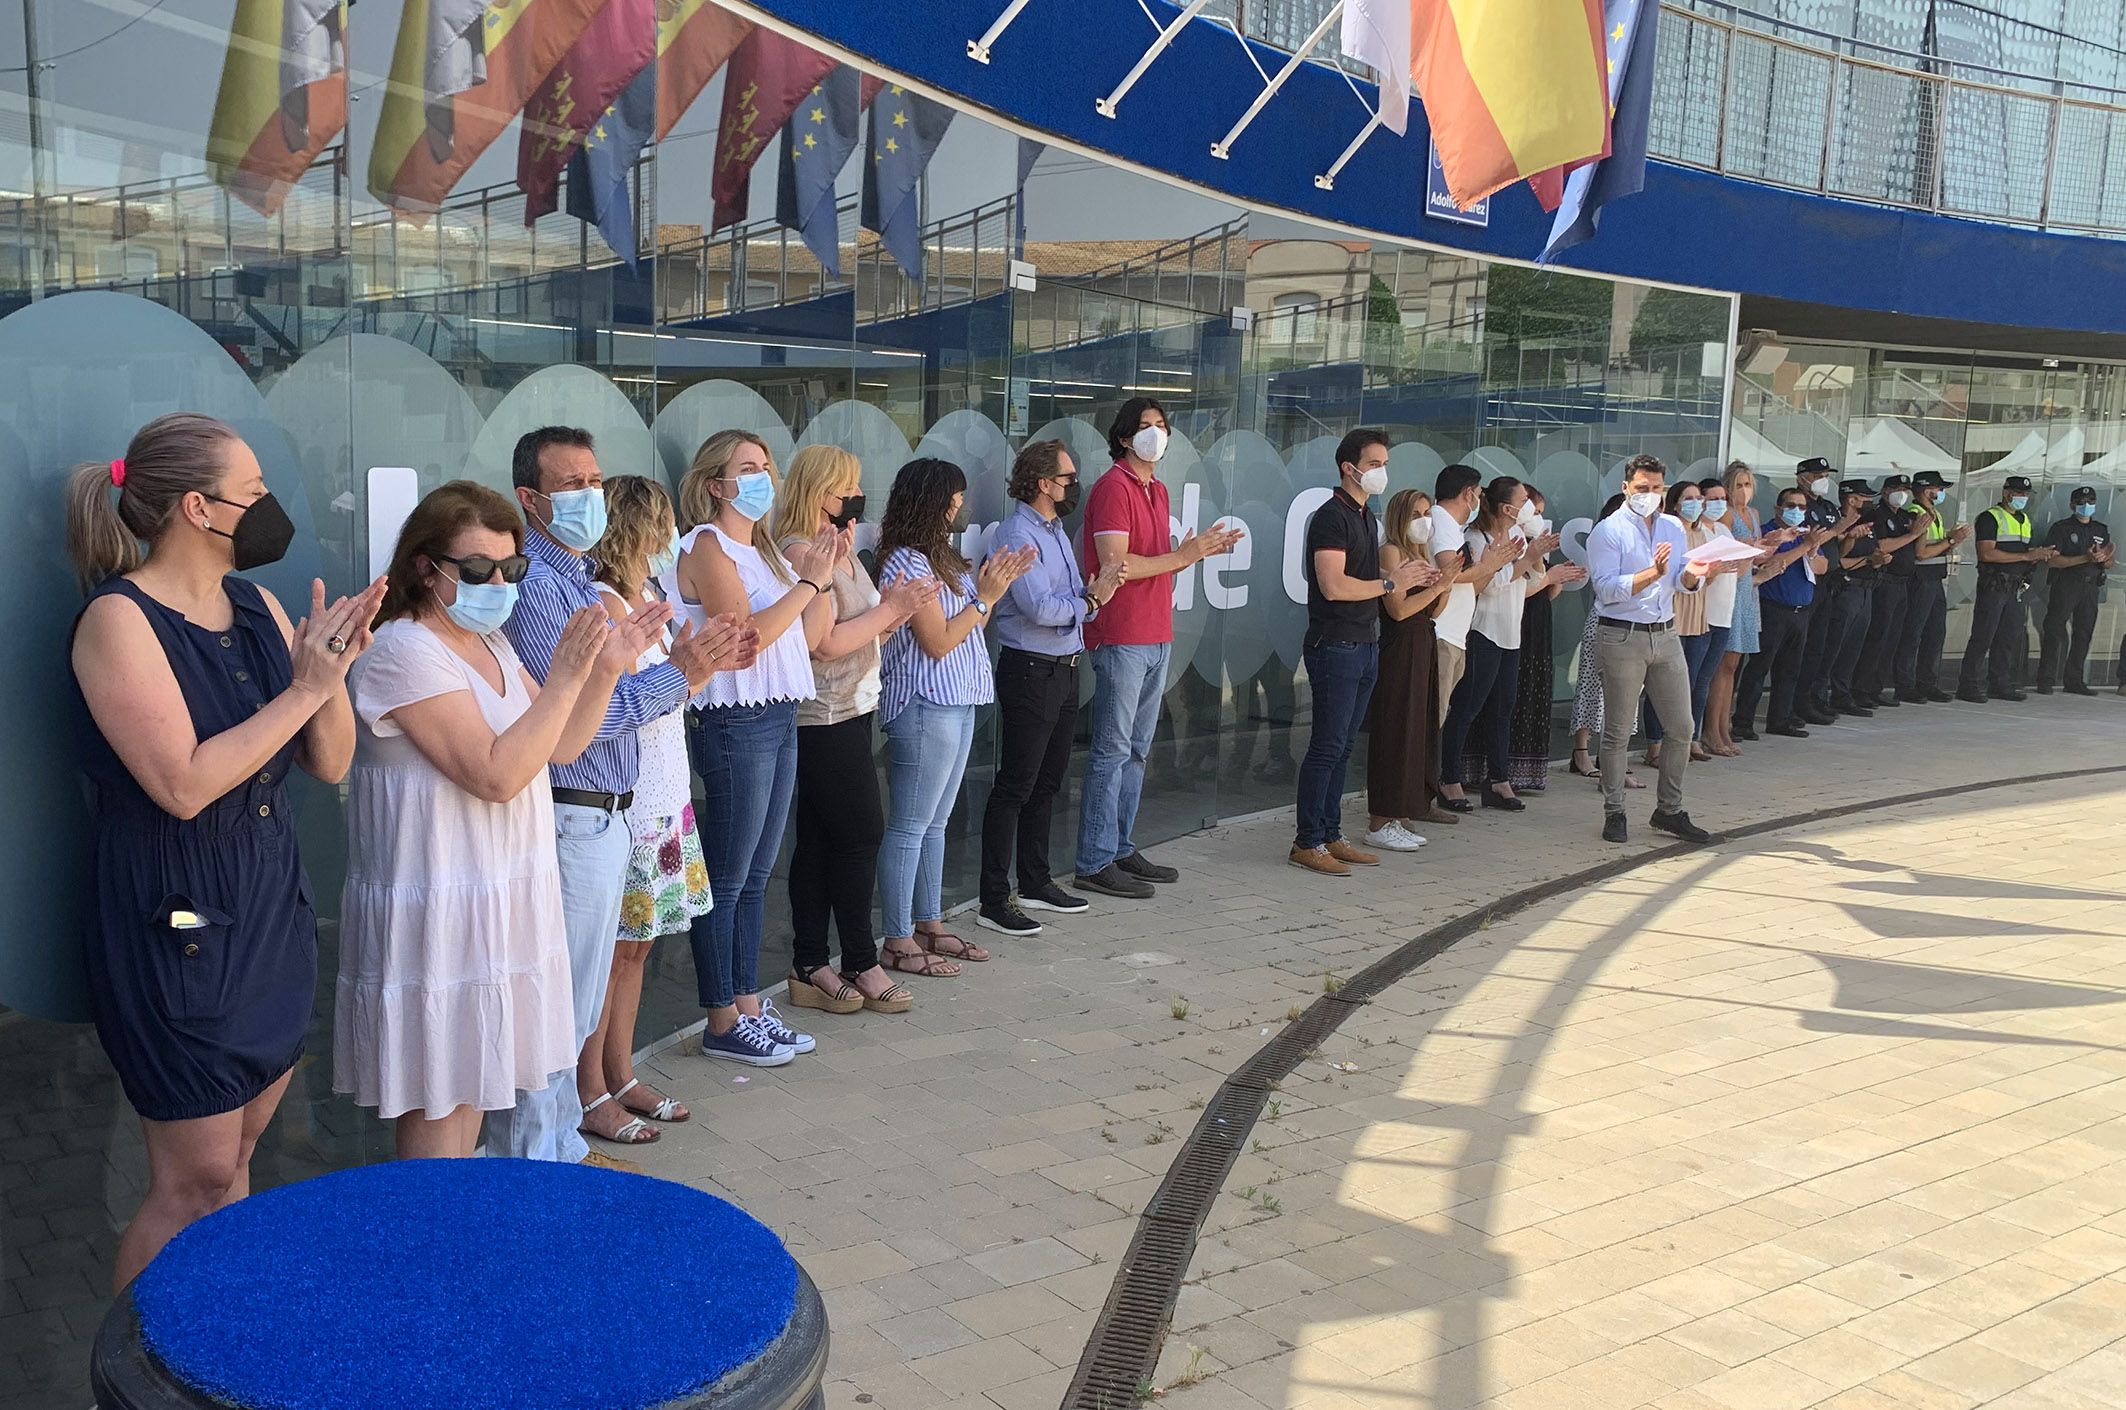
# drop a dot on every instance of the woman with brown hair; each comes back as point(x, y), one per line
point(744, 736)
point(1402, 759)
point(196, 698)
point(840, 818)
point(454, 992)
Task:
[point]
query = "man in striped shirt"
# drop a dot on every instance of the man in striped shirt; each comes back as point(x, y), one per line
point(561, 491)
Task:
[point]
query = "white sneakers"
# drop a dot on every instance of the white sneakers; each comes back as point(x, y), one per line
point(1394, 837)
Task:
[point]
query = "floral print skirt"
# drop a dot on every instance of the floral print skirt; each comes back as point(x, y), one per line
point(667, 881)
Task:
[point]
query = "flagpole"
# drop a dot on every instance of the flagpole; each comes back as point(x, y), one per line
point(1223, 146)
point(1327, 180)
point(39, 186)
point(978, 49)
point(1105, 107)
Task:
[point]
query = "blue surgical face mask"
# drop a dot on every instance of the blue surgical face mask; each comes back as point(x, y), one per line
point(1793, 516)
point(664, 559)
point(2018, 502)
point(2085, 511)
point(483, 607)
point(755, 497)
point(1690, 509)
point(578, 518)
point(1716, 509)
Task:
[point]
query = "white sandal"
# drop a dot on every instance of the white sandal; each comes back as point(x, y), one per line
point(665, 1110)
point(637, 1132)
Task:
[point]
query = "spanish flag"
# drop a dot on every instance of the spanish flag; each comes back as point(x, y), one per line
point(1511, 87)
point(283, 97)
point(694, 39)
point(460, 73)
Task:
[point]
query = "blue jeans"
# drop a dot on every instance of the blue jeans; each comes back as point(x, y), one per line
point(747, 758)
point(926, 755)
point(1125, 716)
point(1701, 654)
point(1341, 675)
point(592, 847)
point(1482, 705)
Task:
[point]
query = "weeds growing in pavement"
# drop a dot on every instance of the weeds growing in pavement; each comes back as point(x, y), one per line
point(1331, 982)
point(1291, 1015)
point(1193, 1373)
point(1180, 1007)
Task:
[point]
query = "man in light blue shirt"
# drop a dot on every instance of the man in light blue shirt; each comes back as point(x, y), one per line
point(1040, 622)
point(1636, 563)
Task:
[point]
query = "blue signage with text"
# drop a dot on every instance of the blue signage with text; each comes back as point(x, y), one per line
point(1440, 206)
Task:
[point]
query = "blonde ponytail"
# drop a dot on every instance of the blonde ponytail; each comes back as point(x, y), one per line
point(97, 541)
point(169, 458)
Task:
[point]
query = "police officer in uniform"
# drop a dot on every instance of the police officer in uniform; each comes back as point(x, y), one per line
point(1899, 526)
point(2006, 560)
point(1845, 599)
point(2083, 549)
point(1927, 620)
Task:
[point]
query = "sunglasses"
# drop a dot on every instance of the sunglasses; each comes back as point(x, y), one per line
point(477, 568)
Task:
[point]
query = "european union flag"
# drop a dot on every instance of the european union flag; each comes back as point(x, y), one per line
point(816, 144)
point(598, 172)
point(905, 130)
point(1629, 37)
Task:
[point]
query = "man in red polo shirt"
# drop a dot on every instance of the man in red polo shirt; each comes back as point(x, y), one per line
point(1131, 639)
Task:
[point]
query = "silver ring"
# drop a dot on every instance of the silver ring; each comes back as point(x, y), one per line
point(335, 644)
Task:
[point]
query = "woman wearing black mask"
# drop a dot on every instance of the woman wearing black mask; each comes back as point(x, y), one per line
point(198, 696)
point(840, 818)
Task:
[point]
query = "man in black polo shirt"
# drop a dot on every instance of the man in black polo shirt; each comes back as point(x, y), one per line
point(1900, 523)
point(1927, 621)
point(1344, 589)
point(2007, 559)
point(1845, 601)
point(1824, 509)
point(2082, 543)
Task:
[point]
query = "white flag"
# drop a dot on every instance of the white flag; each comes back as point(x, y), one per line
point(1377, 33)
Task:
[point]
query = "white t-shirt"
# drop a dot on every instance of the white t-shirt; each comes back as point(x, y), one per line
point(1720, 592)
point(1498, 607)
point(1452, 624)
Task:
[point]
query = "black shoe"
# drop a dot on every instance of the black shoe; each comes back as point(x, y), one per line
point(1111, 880)
point(2042, 689)
point(1937, 697)
point(1912, 697)
point(1679, 823)
point(1495, 799)
point(1860, 712)
point(2079, 690)
point(1972, 697)
point(1819, 717)
point(1789, 731)
point(1744, 732)
point(1882, 702)
point(1145, 869)
point(1455, 805)
point(1006, 919)
point(1614, 828)
point(2013, 696)
point(1050, 897)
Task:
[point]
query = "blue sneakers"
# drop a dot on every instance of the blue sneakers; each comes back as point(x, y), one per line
point(783, 1033)
point(749, 1042)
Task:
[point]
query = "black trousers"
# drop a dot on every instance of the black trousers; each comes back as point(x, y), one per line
point(1926, 627)
point(834, 859)
point(1877, 671)
point(1999, 637)
point(1847, 610)
point(1816, 641)
point(2070, 622)
point(1779, 646)
point(1037, 712)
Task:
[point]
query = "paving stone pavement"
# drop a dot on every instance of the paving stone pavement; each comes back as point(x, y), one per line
point(1828, 1116)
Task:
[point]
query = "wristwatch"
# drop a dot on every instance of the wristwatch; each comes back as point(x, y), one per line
point(981, 607)
point(1387, 587)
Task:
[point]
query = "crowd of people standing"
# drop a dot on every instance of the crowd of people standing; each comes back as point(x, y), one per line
point(522, 706)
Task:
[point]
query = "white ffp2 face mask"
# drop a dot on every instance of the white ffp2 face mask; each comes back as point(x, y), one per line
point(1149, 443)
point(1421, 530)
point(1374, 480)
point(1644, 503)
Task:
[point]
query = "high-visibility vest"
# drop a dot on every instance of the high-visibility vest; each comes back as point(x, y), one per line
point(2009, 526)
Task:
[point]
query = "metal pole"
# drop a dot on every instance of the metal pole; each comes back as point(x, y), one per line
point(39, 147)
point(1105, 107)
point(1222, 147)
point(978, 49)
point(1327, 180)
point(2052, 153)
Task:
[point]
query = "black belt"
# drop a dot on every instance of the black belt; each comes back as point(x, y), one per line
point(1648, 627)
point(603, 802)
point(1785, 606)
point(1042, 656)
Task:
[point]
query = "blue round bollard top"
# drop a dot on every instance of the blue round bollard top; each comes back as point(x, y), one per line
point(468, 1284)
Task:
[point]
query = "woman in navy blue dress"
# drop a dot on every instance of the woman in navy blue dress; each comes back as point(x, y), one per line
point(198, 696)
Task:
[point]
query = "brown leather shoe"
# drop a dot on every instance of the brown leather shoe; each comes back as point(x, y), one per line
point(1436, 814)
point(1317, 859)
point(1343, 851)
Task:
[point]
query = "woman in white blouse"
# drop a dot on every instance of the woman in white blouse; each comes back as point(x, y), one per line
point(744, 734)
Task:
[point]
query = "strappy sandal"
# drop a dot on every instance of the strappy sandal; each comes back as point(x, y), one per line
point(920, 960)
point(636, 1132)
point(1590, 771)
point(844, 997)
point(898, 998)
point(968, 951)
point(665, 1110)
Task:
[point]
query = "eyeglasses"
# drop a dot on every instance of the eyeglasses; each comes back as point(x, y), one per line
point(477, 568)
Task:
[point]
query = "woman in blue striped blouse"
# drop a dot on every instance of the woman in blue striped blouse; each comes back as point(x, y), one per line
point(933, 671)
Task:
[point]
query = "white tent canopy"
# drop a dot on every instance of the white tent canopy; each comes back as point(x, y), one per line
point(2036, 454)
point(1890, 446)
point(1748, 445)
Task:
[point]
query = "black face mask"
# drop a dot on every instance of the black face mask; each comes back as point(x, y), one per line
point(1068, 505)
point(852, 512)
point(263, 532)
point(960, 521)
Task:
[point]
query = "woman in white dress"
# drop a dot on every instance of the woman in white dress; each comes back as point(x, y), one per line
point(667, 882)
point(454, 990)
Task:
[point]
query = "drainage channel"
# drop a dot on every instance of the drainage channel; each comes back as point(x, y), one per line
point(1123, 1350)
